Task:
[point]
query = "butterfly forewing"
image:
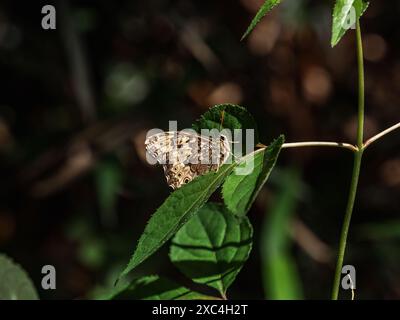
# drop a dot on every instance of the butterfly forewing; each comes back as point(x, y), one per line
point(186, 155)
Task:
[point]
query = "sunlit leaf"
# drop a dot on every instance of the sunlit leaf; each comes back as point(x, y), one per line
point(240, 190)
point(345, 14)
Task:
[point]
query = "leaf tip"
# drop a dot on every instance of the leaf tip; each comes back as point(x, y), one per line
point(244, 36)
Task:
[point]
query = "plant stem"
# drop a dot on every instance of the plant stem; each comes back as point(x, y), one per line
point(346, 223)
point(319, 144)
point(381, 134)
point(356, 166)
point(314, 144)
point(361, 94)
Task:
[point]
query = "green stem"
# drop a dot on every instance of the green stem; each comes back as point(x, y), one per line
point(361, 95)
point(346, 223)
point(356, 167)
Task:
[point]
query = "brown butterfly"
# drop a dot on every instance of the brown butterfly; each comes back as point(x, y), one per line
point(185, 155)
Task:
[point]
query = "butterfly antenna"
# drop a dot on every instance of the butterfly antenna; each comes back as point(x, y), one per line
point(222, 120)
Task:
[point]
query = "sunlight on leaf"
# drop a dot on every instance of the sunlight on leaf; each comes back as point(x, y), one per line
point(343, 13)
point(240, 191)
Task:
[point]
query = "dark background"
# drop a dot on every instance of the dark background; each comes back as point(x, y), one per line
point(76, 103)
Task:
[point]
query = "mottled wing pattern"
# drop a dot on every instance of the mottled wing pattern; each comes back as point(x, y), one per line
point(186, 155)
point(170, 147)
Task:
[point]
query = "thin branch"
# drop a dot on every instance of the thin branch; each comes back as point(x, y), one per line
point(380, 135)
point(315, 144)
point(320, 144)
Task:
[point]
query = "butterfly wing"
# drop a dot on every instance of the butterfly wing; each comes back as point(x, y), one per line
point(178, 174)
point(171, 147)
point(186, 155)
point(206, 149)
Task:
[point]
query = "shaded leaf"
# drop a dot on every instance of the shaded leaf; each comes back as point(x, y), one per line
point(212, 247)
point(154, 288)
point(240, 191)
point(280, 276)
point(15, 284)
point(176, 210)
point(265, 8)
point(344, 12)
point(227, 116)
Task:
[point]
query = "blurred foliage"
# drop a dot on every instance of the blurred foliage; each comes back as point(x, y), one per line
point(281, 279)
point(15, 284)
point(76, 103)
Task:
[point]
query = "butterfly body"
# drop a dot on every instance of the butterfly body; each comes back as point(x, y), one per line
point(185, 155)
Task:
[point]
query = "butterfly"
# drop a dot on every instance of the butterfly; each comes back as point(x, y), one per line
point(185, 155)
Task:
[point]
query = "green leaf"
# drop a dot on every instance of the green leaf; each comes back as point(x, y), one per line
point(344, 12)
point(232, 117)
point(280, 276)
point(154, 288)
point(212, 247)
point(240, 191)
point(265, 8)
point(176, 210)
point(15, 284)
